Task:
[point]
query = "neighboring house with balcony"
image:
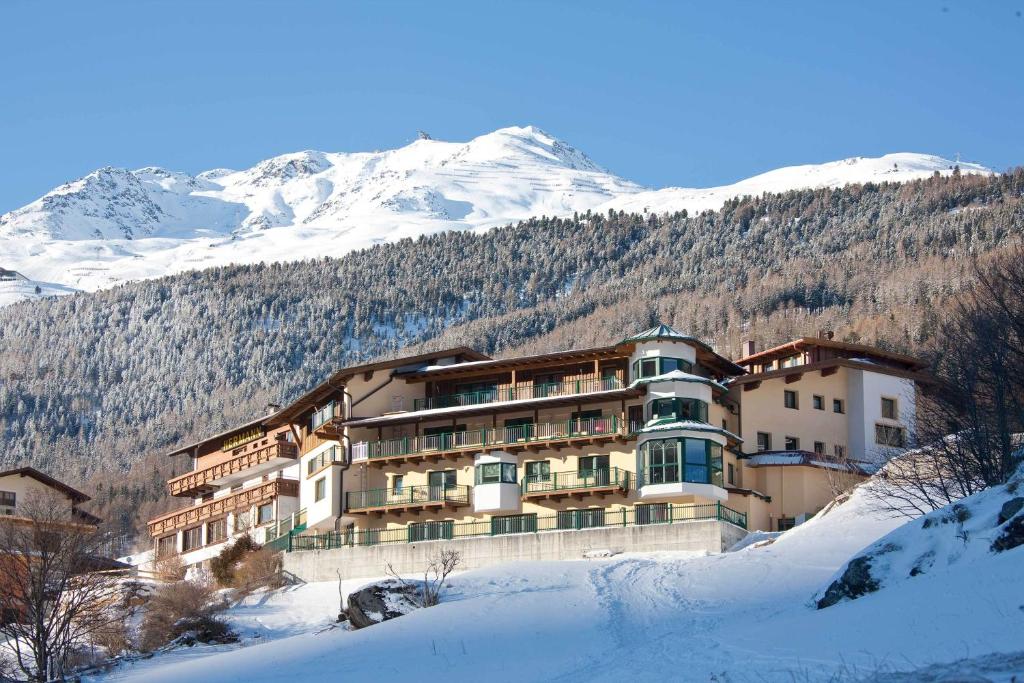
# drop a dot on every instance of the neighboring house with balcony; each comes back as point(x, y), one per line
point(244, 480)
point(658, 428)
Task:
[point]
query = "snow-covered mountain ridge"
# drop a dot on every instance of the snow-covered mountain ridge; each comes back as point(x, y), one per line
point(115, 225)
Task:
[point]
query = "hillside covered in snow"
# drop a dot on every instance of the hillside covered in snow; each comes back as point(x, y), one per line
point(747, 615)
point(116, 225)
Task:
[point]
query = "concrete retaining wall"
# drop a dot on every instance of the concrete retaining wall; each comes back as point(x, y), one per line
point(412, 558)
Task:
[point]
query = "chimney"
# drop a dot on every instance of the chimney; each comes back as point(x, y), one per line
point(749, 348)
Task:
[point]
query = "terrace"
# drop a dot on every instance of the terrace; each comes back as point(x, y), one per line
point(407, 499)
point(556, 485)
point(532, 436)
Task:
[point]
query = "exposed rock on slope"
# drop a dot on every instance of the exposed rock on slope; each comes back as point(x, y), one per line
point(951, 540)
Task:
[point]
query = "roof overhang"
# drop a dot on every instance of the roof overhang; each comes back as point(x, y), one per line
point(494, 408)
point(831, 364)
point(804, 343)
point(518, 363)
point(43, 478)
point(315, 397)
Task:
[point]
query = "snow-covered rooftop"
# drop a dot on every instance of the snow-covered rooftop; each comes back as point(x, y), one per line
point(678, 376)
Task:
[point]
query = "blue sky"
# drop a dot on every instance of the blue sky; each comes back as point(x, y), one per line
point(690, 94)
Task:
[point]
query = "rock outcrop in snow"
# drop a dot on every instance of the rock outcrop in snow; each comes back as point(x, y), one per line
point(950, 540)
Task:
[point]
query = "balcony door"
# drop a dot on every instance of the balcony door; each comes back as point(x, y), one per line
point(519, 429)
point(548, 384)
point(594, 470)
point(440, 482)
point(442, 438)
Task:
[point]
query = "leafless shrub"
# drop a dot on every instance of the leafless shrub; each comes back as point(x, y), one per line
point(258, 569)
point(170, 568)
point(56, 592)
point(434, 576)
point(172, 605)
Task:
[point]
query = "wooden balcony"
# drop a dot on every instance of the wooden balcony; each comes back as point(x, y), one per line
point(527, 437)
point(244, 499)
point(247, 465)
point(557, 485)
point(332, 428)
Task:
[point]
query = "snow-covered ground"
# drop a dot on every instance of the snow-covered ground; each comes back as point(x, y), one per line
point(115, 225)
point(747, 615)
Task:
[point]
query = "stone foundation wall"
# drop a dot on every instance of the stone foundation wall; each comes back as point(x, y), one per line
point(411, 558)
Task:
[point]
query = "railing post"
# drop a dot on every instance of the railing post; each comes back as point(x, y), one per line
point(718, 510)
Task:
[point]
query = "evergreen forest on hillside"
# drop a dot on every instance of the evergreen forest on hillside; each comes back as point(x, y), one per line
point(96, 388)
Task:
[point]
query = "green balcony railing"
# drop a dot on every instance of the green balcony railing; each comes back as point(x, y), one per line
point(569, 520)
point(407, 495)
point(529, 391)
point(604, 477)
point(482, 438)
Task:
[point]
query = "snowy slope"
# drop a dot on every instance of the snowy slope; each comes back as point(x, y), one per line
point(736, 617)
point(890, 167)
point(115, 225)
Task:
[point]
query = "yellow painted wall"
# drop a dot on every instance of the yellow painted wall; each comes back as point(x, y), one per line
point(763, 410)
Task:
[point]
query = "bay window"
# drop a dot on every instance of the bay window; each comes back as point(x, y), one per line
point(677, 409)
point(496, 473)
point(671, 461)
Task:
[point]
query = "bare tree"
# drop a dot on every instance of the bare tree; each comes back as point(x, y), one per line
point(971, 418)
point(55, 591)
point(434, 576)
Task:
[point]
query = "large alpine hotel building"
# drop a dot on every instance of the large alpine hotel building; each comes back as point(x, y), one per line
point(656, 426)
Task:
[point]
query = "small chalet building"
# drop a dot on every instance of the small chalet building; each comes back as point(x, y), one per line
point(244, 480)
point(19, 486)
point(658, 428)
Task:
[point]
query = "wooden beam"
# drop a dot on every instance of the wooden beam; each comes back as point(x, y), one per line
point(790, 379)
point(750, 386)
point(825, 372)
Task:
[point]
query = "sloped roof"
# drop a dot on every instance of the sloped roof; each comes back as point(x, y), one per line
point(659, 331)
point(43, 478)
point(705, 353)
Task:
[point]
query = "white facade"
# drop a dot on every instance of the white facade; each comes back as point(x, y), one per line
point(865, 391)
point(496, 497)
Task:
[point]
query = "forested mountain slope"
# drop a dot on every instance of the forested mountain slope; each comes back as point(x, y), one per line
point(93, 383)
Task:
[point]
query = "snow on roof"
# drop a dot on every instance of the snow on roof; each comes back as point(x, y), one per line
point(439, 412)
point(453, 366)
point(659, 331)
point(692, 425)
point(803, 458)
point(678, 376)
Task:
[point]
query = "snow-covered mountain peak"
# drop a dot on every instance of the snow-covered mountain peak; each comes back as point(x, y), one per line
point(286, 167)
point(115, 224)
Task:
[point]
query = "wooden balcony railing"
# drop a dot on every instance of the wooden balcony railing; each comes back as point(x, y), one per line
point(204, 480)
point(246, 498)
